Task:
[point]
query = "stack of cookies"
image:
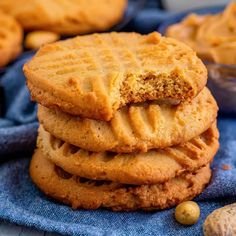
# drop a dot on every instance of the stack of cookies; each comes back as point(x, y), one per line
point(126, 121)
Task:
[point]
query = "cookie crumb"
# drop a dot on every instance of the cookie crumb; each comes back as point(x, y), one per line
point(72, 82)
point(153, 38)
point(226, 167)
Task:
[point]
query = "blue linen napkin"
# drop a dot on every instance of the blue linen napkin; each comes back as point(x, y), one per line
point(18, 124)
point(21, 202)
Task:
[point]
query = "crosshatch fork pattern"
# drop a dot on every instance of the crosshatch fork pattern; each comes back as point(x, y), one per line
point(110, 70)
point(135, 127)
point(154, 166)
point(83, 193)
point(104, 54)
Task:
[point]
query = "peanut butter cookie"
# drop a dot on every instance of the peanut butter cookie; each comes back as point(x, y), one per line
point(11, 36)
point(67, 17)
point(135, 127)
point(89, 194)
point(94, 75)
point(155, 166)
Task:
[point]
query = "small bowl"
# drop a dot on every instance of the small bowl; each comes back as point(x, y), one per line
point(222, 83)
point(222, 78)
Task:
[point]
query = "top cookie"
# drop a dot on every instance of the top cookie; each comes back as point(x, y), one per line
point(92, 76)
point(10, 39)
point(66, 16)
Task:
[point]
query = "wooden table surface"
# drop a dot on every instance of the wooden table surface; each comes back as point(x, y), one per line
point(7, 229)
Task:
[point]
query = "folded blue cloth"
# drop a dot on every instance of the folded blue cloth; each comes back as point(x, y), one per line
point(18, 124)
point(21, 202)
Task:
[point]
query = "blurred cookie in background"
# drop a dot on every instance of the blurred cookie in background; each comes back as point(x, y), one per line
point(66, 17)
point(11, 36)
point(36, 39)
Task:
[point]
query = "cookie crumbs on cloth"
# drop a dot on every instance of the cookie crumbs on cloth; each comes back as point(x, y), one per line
point(226, 167)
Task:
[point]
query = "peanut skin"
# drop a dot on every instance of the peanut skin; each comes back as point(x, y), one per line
point(221, 222)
